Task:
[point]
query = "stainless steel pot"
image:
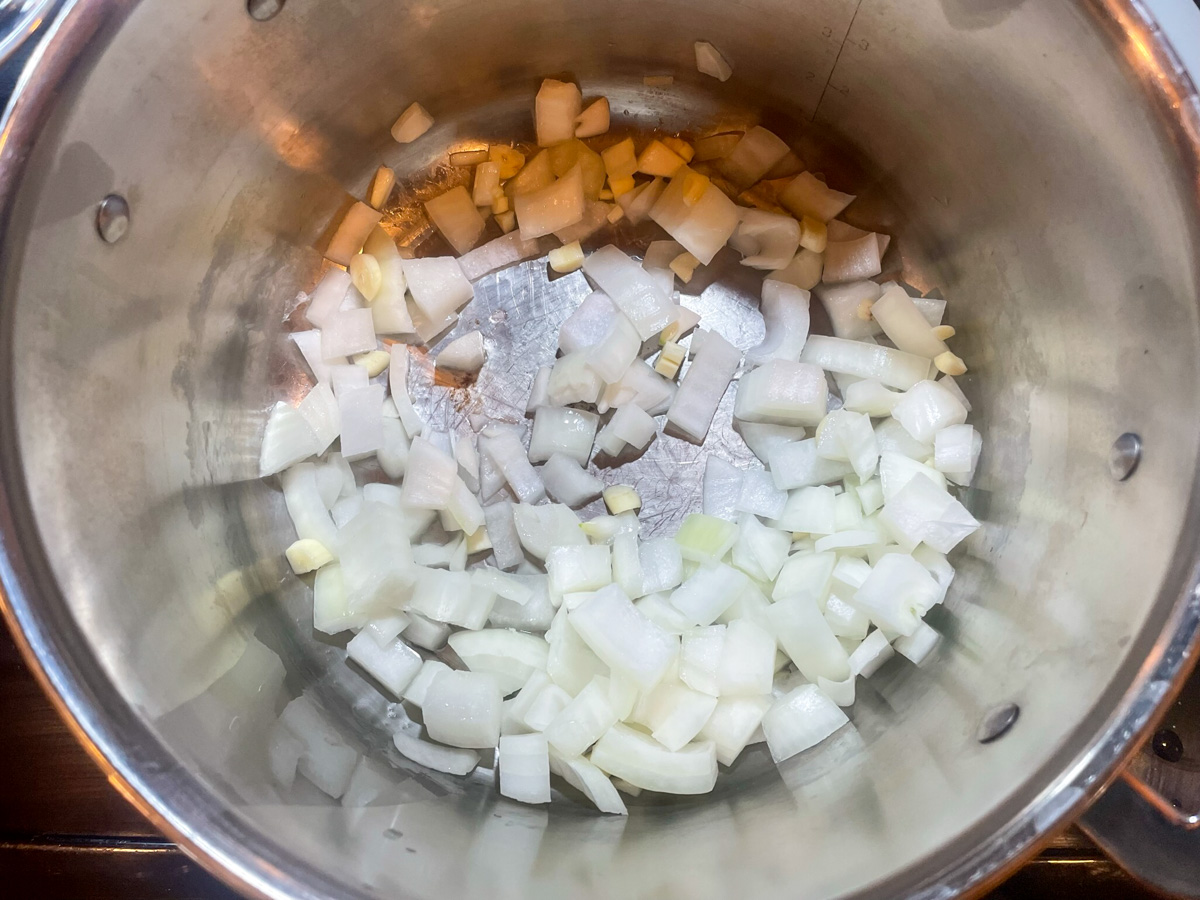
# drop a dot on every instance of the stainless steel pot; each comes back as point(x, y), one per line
point(1038, 163)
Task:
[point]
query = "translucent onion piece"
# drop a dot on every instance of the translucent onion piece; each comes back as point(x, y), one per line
point(807, 639)
point(640, 760)
point(497, 254)
point(551, 208)
point(542, 528)
point(454, 214)
point(851, 260)
point(782, 392)
point(784, 309)
point(767, 240)
point(631, 289)
point(905, 325)
point(582, 721)
point(891, 367)
point(508, 455)
point(590, 781)
point(754, 155)
point(466, 353)
point(352, 233)
point(703, 385)
point(709, 592)
point(438, 286)
point(593, 120)
point(413, 123)
point(588, 324)
point(800, 719)
point(702, 227)
point(568, 482)
point(287, 439)
point(926, 409)
point(393, 666)
point(923, 512)
point(623, 638)
point(806, 195)
point(509, 656)
point(556, 107)
point(616, 351)
point(709, 61)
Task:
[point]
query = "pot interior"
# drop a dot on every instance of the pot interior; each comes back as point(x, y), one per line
point(1010, 148)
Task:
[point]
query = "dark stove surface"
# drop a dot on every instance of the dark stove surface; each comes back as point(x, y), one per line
point(65, 833)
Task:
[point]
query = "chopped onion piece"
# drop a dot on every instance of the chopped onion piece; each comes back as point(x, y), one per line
point(376, 559)
point(703, 385)
point(630, 426)
point(568, 482)
point(956, 452)
point(905, 325)
point(524, 764)
point(704, 539)
point(572, 380)
point(593, 120)
point(721, 488)
point(639, 759)
point(466, 353)
point(897, 593)
point(577, 568)
point(347, 333)
point(754, 155)
point(360, 417)
point(806, 195)
point(454, 214)
point(702, 227)
point(767, 240)
point(631, 289)
point(785, 313)
point(431, 476)
point(797, 464)
point(287, 439)
point(388, 308)
point(926, 409)
point(557, 430)
point(800, 719)
point(307, 555)
point(709, 61)
point(637, 203)
point(891, 367)
point(919, 645)
point(551, 208)
point(870, 397)
point(352, 233)
point(616, 351)
point(851, 260)
point(640, 385)
point(426, 633)
point(582, 721)
point(506, 453)
point(804, 270)
point(438, 286)
point(661, 563)
point(591, 321)
point(759, 496)
point(590, 781)
point(413, 123)
point(762, 438)
point(732, 724)
point(502, 529)
point(462, 709)
point(497, 254)
point(807, 639)
point(709, 592)
point(623, 638)
point(543, 528)
point(557, 106)
point(717, 146)
point(509, 656)
point(674, 713)
point(781, 392)
point(393, 666)
point(924, 512)
point(760, 551)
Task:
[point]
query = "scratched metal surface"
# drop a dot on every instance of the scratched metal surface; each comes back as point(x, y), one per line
point(519, 311)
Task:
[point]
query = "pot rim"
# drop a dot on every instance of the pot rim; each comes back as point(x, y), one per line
point(180, 804)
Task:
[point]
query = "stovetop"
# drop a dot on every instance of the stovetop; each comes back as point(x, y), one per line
point(66, 834)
